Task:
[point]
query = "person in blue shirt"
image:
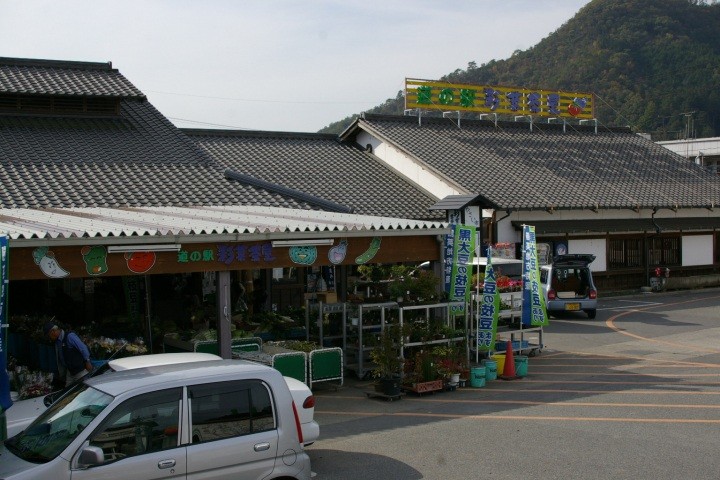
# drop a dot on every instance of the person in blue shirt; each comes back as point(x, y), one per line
point(73, 355)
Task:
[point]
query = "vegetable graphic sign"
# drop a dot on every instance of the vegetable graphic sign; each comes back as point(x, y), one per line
point(303, 255)
point(140, 262)
point(49, 266)
point(337, 254)
point(368, 254)
point(95, 259)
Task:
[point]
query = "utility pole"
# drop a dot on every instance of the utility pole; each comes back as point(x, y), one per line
point(689, 125)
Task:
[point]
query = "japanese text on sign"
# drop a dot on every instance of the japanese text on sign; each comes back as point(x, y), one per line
point(534, 311)
point(428, 94)
point(488, 311)
point(463, 249)
point(229, 254)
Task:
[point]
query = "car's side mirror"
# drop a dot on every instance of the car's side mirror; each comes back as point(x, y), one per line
point(90, 456)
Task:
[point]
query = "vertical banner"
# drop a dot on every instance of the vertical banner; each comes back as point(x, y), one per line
point(489, 310)
point(131, 285)
point(534, 312)
point(5, 401)
point(464, 247)
point(448, 253)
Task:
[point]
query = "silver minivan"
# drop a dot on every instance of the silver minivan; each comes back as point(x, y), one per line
point(211, 420)
point(568, 284)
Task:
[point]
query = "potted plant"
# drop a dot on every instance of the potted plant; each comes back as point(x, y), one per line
point(386, 357)
point(449, 363)
point(408, 284)
point(425, 373)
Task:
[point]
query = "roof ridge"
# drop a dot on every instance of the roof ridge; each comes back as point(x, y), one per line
point(219, 132)
point(35, 62)
point(296, 194)
point(504, 124)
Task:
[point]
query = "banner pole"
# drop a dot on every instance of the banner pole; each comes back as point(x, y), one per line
point(5, 400)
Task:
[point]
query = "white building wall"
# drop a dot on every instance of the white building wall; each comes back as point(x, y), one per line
point(697, 250)
point(408, 167)
point(694, 147)
point(596, 246)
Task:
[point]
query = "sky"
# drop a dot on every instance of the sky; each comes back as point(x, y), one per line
point(276, 65)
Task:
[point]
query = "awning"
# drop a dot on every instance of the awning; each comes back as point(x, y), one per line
point(73, 226)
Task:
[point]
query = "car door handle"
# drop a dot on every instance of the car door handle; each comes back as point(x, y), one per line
point(166, 464)
point(260, 447)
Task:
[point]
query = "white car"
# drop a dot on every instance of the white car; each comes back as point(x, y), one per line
point(212, 420)
point(23, 412)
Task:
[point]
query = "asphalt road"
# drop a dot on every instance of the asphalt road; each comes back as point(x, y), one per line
point(634, 393)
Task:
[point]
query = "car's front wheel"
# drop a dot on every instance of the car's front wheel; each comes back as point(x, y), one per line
point(591, 313)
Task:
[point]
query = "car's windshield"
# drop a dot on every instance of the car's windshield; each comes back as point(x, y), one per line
point(53, 396)
point(55, 428)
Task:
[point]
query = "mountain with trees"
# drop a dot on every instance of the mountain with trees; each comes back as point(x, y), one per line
point(653, 65)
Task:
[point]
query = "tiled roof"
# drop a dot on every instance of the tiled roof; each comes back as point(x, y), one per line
point(136, 159)
point(126, 225)
point(319, 165)
point(512, 167)
point(48, 77)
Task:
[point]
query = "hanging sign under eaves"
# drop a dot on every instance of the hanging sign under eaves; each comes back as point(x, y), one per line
point(432, 95)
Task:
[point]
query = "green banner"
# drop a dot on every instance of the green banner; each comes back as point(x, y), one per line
point(489, 310)
point(534, 311)
point(463, 249)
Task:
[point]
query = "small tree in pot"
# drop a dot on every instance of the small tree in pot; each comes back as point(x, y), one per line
point(386, 357)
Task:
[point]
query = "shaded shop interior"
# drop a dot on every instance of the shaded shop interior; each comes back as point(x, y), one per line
point(144, 291)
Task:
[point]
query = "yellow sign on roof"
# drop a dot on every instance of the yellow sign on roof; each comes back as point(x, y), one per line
point(432, 95)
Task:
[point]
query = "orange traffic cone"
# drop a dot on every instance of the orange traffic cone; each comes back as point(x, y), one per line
point(509, 368)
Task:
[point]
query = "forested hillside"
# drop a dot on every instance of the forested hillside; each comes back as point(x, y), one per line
point(653, 65)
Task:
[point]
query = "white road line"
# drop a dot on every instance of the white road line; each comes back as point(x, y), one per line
point(644, 303)
point(635, 304)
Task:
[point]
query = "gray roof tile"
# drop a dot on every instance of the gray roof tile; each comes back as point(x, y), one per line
point(321, 166)
point(511, 167)
point(48, 77)
point(136, 159)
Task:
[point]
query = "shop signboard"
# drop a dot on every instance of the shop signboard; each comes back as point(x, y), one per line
point(5, 401)
point(489, 310)
point(463, 249)
point(434, 95)
point(83, 261)
point(534, 312)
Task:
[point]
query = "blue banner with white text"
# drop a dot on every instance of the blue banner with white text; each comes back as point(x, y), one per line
point(5, 400)
point(534, 312)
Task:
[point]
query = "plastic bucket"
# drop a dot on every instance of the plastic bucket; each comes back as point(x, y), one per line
point(477, 376)
point(500, 360)
point(490, 369)
point(521, 365)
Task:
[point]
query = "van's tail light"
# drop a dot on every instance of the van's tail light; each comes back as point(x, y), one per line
point(551, 295)
point(309, 402)
point(297, 425)
point(592, 294)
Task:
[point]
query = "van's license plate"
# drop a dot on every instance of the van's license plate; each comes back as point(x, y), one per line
point(572, 306)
